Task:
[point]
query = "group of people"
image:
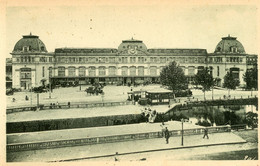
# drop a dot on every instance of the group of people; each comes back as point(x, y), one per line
point(149, 114)
point(53, 105)
point(166, 133)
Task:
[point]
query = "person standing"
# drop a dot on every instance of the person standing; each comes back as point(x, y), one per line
point(205, 133)
point(69, 104)
point(57, 104)
point(167, 135)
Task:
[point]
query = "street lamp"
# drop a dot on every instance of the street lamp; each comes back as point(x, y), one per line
point(182, 120)
point(31, 93)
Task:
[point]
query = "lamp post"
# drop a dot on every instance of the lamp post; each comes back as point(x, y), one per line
point(49, 87)
point(182, 132)
point(31, 93)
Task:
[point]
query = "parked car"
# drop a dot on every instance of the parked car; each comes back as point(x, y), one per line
point(9, 92)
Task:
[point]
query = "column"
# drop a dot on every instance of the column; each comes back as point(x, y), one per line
point(16, 78)
point(96, 71)
point(87, 74)
point(196, 70)
point(33, 78)
point(77, 71)
point(66, 72)
point(106, 69)
point(119, 71)
point(185, 71)
point(157, 71)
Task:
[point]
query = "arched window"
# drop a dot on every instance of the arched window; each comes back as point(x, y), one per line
point(72, 71)
point(61, 71)
point(124, 71)
point(92, 71)
point(101, 71)
point(82, 71)
point(132, 71)
point(140, 71)
point(200, 68)
point(153, 70)
point(112, 71)
point(191, 70)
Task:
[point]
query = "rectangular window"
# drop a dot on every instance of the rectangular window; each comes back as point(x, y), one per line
point(50, 59)
point(43, 71)
point(217, 70)
point(61, 71)
point(50, 71)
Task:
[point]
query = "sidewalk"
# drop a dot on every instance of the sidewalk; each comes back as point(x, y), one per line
point(69, 134)
point(129, 147)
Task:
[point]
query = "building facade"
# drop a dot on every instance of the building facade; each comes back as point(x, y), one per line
point(132, 62)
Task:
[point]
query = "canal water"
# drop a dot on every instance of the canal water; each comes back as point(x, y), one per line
point(213, 115)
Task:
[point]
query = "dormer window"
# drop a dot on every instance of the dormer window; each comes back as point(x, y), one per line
point(25, 48)
point(42, 48)
point(233, 49)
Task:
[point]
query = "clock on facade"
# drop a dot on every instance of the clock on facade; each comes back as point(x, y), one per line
point(132, 50)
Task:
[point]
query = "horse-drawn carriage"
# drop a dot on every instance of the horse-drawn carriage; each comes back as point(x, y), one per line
point(94, 90)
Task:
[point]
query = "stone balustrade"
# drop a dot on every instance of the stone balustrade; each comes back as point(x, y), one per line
point(109, 139)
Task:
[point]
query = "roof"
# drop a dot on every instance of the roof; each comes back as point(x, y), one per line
point(132, 40)
point(159, 90)
point(229, 45)
point(30, 43)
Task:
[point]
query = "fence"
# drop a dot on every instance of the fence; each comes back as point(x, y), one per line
point(109, 139)
point(66, 106)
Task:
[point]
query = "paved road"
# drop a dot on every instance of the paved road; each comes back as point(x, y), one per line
point(80, 112)
point(112, 93)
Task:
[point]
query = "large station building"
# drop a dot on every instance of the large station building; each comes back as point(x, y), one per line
point(132, 62)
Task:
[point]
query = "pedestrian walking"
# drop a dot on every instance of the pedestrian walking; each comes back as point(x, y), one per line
point(69, 104)
point(116, 157)
point(26, 98)
point(205, 133)
point(167, 135)
point(13, 99)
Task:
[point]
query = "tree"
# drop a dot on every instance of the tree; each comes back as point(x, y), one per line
point(173, 77)
point(230, 82)
point(252, 119)
point(251, 79)
point(205, 79)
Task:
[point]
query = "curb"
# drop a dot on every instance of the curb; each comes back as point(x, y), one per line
point(145, 151)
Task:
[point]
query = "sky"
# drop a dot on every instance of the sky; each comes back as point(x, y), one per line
point(158, 26)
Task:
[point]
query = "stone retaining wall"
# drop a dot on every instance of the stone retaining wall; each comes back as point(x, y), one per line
point(58, 124)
